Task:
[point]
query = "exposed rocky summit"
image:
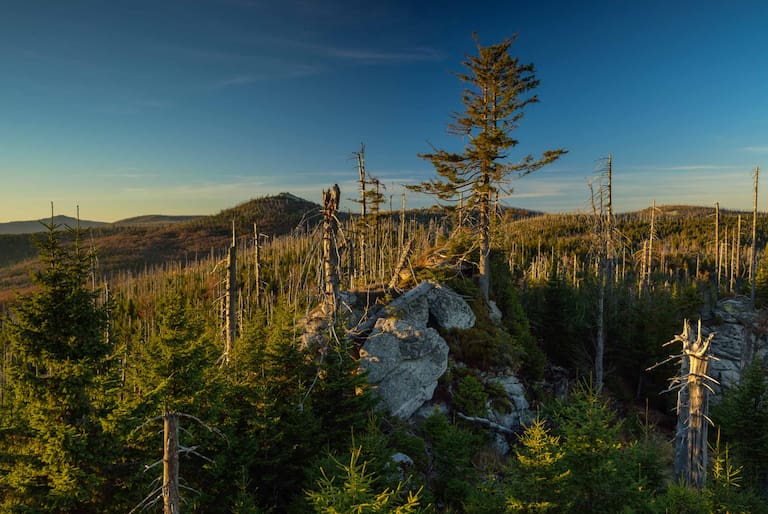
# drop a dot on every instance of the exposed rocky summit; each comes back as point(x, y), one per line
point(405, 356)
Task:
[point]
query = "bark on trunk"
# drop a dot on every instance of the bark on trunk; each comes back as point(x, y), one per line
point(171, 498)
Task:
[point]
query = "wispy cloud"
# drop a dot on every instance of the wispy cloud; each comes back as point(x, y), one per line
point(373, 56)
point(684, 167)
point(292, 72)
point(359, 55)
point(756, 149)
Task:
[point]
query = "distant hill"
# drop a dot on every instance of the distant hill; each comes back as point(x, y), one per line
point(135, 243)
point(155, 219)
point(34, 226)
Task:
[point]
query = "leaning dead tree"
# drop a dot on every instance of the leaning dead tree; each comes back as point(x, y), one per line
point(401, 263)
point(693, 391)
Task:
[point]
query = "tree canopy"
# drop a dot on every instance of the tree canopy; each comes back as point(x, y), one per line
point(499, 88)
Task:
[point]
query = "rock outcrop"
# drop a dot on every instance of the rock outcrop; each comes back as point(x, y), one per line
point(449, 309)
point(405, 357)
point(740, 336)
point(404, 362)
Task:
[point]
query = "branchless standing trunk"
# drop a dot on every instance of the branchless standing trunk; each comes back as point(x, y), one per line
point(171, 497)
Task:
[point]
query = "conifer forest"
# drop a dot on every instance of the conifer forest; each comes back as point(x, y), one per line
point(612, 362)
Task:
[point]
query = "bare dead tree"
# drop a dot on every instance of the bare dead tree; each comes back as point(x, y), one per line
point(651, 237)
point(693, 391)
point(605, 245)
point(362, 180)
point(230, 300)
point(404, 256)
point(169, 492)
point(330, 254)
point(171, 496)
point(737, 251)
point(717, 247)
point(257, 265)
point(753, 256)
point(401, 232)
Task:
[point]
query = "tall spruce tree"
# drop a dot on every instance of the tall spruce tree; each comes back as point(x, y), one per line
point(499, 89)
point(51, 435)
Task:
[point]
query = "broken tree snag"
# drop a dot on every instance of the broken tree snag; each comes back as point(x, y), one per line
point(752, 257)
point(330, 256)
point(230, 299)
point(692, 405)
point(171, 497)
point(717, 247)
point(363, 211)
point(257, 265)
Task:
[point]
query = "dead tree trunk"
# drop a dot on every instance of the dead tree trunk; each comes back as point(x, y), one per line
point(363, 212)
point(602, 207)
point(738, 249)
point(230, 299)
point(692, 405)
point(650, 244)
point(401, 234)
point(171, 497)
point(600, 340)
point(404, 256)
point(330, 257)
point(717, 247)
point(753, 257)
point(257, 265)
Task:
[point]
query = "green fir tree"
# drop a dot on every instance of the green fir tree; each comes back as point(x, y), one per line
point(538, 477)
point(51, 440)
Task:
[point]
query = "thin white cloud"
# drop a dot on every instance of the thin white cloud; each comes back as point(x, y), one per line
point(684, 167)
point(756, 149)
point(371, 56)
point(360, 55)
point(296, 71)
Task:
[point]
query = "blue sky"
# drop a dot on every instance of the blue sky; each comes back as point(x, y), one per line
point(193, 106)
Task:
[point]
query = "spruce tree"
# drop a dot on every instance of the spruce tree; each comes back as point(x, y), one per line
point(538, 476)
point(499, 89)
point(51, 434)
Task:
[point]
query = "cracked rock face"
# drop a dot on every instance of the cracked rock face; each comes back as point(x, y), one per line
point(740, 336)
point(403, 356)
point(404, 363)
point(449, 309)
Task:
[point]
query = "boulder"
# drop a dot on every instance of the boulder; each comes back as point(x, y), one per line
point(448, 309)
point(412, 306)
point(403, 362)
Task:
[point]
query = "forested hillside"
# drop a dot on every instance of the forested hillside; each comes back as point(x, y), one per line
point(105, 358)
